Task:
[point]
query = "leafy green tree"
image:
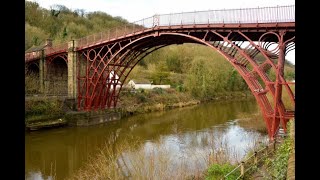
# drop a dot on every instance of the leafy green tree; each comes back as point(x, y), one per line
point(64, 34)
point(33, 13)
point(173, 62)
point(159, 74)
point(235, 82)
point(35, 36)
point(159, 77)
point(79, 12)
point(200, 79)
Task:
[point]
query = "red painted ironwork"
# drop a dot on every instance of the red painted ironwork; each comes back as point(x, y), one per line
point(48, 51)
point(107, 58)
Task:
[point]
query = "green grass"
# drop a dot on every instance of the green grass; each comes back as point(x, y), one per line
point(278, 164)
point(41, 109)
point(275, 167)
point(217, 171)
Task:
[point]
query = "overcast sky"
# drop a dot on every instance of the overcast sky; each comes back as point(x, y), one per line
point(138, 9)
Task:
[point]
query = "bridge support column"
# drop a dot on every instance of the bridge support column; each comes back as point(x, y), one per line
point(42, 71)
point(72, 70)
point(278, 110)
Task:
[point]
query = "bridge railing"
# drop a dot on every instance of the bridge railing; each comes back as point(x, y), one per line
point(114, 33)
point(32, 55)
point(47, 51)
point(222, 16)
point(62, 47)
point(247, 15)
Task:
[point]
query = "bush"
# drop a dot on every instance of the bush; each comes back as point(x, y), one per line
point(180, 88)
point(43, 107)
point(32, 84)
point(278, 165)
point(158, 90)
point(141, 98)
point(141, 90)
point(218, 171)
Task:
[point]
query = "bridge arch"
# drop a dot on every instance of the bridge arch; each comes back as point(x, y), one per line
point(228, 44)
point(32, 74)
point(32, 68)
point(56, 80)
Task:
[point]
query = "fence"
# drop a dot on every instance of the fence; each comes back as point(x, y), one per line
point(253, 160)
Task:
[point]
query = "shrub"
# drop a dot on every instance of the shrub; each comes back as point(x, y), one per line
point(218, 171)
point(141, 98)
point(43, 107)
point(278, 166)
point(157, 90)
point(180, 88)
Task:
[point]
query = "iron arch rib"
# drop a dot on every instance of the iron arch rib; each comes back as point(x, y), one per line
point(122, 59)
point(94, 100)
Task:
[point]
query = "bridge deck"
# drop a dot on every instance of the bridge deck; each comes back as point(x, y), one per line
point(256, 20)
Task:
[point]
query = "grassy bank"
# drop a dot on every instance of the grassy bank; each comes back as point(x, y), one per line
point(278, 165)
point(42, 108)
point(142, 101)
point(43, 111)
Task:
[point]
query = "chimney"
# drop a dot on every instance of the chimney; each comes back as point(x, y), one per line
point(49, 42)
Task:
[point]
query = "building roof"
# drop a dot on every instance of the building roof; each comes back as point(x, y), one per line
point(35, 48)
point(141, 81)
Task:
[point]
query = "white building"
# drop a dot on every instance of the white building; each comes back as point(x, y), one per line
point(114, 80)
point(144, 84)
point(139, 84)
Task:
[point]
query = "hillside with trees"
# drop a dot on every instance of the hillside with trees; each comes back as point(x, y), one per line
point(62, 24)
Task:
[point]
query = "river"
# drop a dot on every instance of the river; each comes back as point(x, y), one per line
point(185, 135)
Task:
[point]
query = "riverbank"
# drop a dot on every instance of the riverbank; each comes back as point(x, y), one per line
point(169, 144)
point(54, 111)
point(273, 160)
point(279, 164)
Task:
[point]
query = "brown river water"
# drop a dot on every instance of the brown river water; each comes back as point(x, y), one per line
point(186, 135)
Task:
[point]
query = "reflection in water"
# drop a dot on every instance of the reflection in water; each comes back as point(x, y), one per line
point(191, 149)
point(184, 134)
point(37, 175)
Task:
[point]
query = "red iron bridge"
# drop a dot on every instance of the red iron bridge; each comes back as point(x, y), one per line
point(93, 68)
